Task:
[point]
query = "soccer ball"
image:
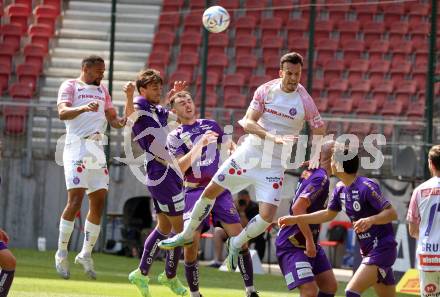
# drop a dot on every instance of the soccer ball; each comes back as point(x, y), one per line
point(216, 19)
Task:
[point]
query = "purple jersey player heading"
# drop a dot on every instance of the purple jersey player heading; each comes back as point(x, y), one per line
point(371, 215)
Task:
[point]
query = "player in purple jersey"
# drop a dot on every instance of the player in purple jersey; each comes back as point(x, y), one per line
point(302, 261)
point(163, 182)
point(196, 145)
point(7, 265)
point(371, 214)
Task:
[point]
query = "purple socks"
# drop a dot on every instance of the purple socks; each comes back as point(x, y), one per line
point(6, 278)
point(150, 250)
point(246, 269)
point(192, 276)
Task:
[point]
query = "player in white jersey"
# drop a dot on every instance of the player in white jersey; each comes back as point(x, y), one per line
point(85, 106)
point(275, 116)
point(424, 222)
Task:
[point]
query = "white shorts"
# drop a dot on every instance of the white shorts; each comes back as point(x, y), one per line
point(429, 283)
point(85, 166)
point(237, 173)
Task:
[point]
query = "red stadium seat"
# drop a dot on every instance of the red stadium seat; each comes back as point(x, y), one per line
point(211, 99)
point(272, 45)
point(317, 88)
point(382, 90)
point(419, 31)
point(256, 81)
point(233, 83)
point(254, 8)
point(361, 87)
point(342, 106)
point(377, 49)
point(270, 27)
point(172, 5)
point(54, 3)
point(5, 72)
point(421, 49)
point(229, 4)
point(401, 50)
point(12, 34)
point(322, 104)
point(416, 109)
point(193, 22)
point(373, 31)
point(360, 129)
point(323, 28)
point(399, 70)
point(245, 44)
point(365, 13)
point(333, 69)
point(348, 29)
point(353, 49)
point(40, 35)
point(338, 12)
point(19, 14)
point(15, 120)
point(367, 107)
point(212, 80)
point(378, 69)
point(188, 62)
point(28, 74)
point(296, 29)
point(336, 88)
point(163, 41)
point(418, 12)
point(392, 108)
point(235, 100)
point(245, 25)
point(28, 3)
point(358, 68)
point(7, 52)
point(419, 74)
point(46, 15)
point(404, 91)
point(393, 11)
point(326, 49)
point(197, 4)
point(298, 44)
point(20, 91)
point(180, 75)
point(190, 41)
point(218, 43)
point(217, 63)
point(397, 31)
point(282, 9)
point(168, 22)
point(272, 66)
point(159, 58)
point(246, 65)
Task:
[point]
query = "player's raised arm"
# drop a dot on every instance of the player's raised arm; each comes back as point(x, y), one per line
point(129, 89)
point(318, 217)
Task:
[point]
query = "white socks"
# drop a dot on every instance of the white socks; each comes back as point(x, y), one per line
point(201, 210)
point(255, 227)
point(66, 229)
point(91, 233)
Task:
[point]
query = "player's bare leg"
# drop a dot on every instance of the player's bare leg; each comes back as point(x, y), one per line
point(255, 227)
point(92, 229)
point(327, 284)
point(7, 265)
point(73, 206)
point(383, 290)
point(244, 260)
point(364, 277)
point(201, 210)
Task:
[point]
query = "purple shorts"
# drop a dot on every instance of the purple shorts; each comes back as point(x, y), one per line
point(383, 258)
point(3, 245)
point(298, 269)
point(224, 210)
point(168, 196)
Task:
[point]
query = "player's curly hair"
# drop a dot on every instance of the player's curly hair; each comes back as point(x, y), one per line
point(434, 156)
point(146, 77)
point(293, 57)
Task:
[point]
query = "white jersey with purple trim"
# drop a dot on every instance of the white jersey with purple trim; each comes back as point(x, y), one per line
point(282, 114)
point(78, 93)
point(424, 209)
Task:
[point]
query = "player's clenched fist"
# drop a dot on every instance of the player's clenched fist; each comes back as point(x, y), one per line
point(208, 138)
point(92, 106)
point(287, 221)
point(129, 89)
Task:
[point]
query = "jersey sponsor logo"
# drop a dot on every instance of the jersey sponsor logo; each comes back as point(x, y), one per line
point(382, 272)
point(429, 260)
point(206, 162)
point(302, 264)
point(364, 235)
point(304, 272)
point(430, 247)
point(430, 192)
point(272, 179)
point(356, 206)
point(289, 278)
point(280, 114)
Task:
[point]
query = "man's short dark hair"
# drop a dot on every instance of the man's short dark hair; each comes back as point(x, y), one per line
point(434, 156)
point(350, 166)
point(178, 95)
point(91, 60)
point(146, 77)
point(293, 57)
point(243, 192)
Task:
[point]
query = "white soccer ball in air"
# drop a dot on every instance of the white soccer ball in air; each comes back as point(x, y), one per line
point(216, 19)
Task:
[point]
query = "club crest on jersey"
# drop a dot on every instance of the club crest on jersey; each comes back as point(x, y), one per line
point(76, 180)
point(221, 177)
point(293, 111)
point(356, 206)
point(99, 90)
